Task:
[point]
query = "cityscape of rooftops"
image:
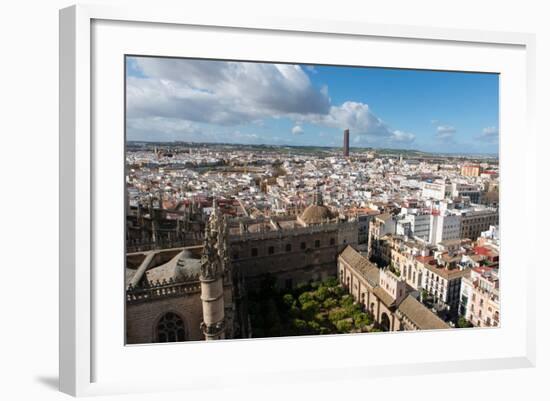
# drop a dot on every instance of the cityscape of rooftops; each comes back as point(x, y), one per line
point(268, 200)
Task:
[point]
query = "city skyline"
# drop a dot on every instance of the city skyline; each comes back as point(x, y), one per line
point(207, 101)
point(241, 242)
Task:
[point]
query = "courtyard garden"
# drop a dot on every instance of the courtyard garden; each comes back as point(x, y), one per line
point(316, 308)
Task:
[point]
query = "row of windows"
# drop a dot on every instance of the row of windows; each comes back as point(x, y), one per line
point(479, 220)
point(288, 248)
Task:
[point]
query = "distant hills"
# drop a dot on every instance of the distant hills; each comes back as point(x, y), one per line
point(308, 149)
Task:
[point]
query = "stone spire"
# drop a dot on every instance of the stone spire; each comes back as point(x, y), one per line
point(214, 208)
point(154, 222)
point(213, 264)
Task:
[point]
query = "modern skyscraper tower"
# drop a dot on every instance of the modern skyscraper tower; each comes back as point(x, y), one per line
point(346, 142)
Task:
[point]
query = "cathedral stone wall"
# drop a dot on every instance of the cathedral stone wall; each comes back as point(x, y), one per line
point(291, 258)
point(348, 234)
point(142, 317)
point(293, 254)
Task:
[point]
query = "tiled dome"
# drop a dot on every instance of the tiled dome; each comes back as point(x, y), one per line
point(316, 214)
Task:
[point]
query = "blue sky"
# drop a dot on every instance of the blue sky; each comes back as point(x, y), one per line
point(240, 102)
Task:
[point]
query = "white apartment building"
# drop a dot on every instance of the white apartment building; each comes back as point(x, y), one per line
point(444, 227)
point(417, 222)
point(443, 284)
point(433, 190)
point(491, 237)
point(480, 297)
point(437, 190)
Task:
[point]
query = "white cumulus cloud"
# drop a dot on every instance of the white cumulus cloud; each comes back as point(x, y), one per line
point(297, 130)
point(362, 123)
point(223, 93)
point(178, 96)
point(400, 136)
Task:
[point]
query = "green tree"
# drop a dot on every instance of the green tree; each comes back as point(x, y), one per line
point(361, 320)
point(288, 300)
point(314, 327)
point(331, 282)
point(338, 291)
point(464, 323)
point(321, 294)
point(337, 314)
point(324, 330)
point(352, 309)
point(320, 317)
point(294, 310)
point(299, 325)
point(344, 325)
point(305, 297)
point(347, 300)
point(310, 309)
point(330, 303)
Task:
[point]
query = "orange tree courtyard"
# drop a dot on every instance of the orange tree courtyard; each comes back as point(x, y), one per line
point(315, 308)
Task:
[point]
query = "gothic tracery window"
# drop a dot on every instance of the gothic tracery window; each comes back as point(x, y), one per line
point(170, 328)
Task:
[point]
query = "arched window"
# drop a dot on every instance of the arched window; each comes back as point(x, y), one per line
point(385, 322)
point(170, 328)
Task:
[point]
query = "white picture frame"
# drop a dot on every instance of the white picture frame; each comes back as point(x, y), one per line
point(87, 364)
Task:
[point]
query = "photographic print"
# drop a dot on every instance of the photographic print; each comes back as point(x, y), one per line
point(270, 199)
